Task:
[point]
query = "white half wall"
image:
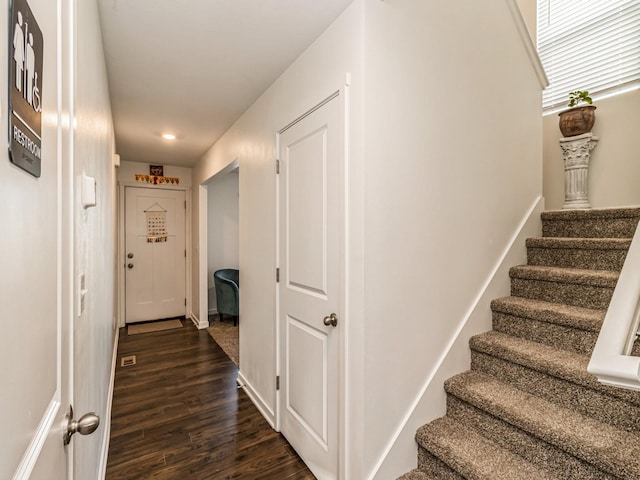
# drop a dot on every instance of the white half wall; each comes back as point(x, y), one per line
point(453, 129)
point(431, 400)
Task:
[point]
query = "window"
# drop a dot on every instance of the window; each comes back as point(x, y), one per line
point(589, 45)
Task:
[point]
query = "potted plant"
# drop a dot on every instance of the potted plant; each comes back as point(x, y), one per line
point(579, 118)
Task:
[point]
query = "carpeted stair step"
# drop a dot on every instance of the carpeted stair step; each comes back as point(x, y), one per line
point(585, 288)
point(462, 453)
point(592, 253)
point(558, 439)
point(416, 475)
point(556, 324)
point(609, 223)
point(558, 376)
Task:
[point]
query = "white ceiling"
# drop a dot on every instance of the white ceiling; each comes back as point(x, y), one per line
point(192, 67)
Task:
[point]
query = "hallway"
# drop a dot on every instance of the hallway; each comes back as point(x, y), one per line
point(178, 414)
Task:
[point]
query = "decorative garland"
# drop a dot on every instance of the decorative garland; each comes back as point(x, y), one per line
point(157, 180)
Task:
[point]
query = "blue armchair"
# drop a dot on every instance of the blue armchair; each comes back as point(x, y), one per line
point(226, 283)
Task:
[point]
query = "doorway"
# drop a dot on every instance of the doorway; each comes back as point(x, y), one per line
point(155, 254)
point(222, 230)
point(310, 287)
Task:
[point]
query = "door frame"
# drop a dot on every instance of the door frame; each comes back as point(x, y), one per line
point(203, 241)
point(122, 185)
point(340, 95)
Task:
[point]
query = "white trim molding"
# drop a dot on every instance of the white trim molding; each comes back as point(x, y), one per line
point(30, 457)
point(199, 324)
point(527, 42)
point(104, 454)
point(257, 400)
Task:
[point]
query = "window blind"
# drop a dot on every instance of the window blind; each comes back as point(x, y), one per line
point(589, 45)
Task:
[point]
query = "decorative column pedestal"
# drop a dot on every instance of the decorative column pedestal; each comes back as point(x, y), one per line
point(576, 152)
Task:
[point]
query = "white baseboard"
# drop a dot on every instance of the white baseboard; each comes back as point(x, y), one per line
point(199, 324)
point(257, 400)
point(104, 455)
point(400, 454)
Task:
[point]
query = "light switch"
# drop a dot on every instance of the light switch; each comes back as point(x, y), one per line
point(88, 191)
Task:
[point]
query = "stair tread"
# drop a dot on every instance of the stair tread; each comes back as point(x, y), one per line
point(474, 456)
point(569, 366)
point(415, 475)
point(630, 212)
point(600, 444)
point(599, 278)
point(579, 242)
point(582, 318)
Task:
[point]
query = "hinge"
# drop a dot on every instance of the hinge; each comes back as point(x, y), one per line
point(277, 167)
point(278, 382)
point(277, 275)
point(185, 204)
point(185, 253)
point(185, 302)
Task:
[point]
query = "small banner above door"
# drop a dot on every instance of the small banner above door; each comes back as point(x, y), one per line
point(155, 180)
point(156, 224)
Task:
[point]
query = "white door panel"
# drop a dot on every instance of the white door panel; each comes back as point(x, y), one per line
point(155, 271)
point(35, 347)
point(310, 289)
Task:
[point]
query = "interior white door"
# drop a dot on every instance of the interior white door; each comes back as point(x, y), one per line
point(35, 347)
point(310, 286)
point(155, 254)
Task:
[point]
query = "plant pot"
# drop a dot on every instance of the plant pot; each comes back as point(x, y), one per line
point(577, 120)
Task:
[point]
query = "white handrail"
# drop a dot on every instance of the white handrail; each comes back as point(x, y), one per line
point(610, 360)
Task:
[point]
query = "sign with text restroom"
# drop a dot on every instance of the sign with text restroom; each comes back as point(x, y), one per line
point(26, 51)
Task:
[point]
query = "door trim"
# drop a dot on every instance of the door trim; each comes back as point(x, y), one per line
point(342, 96)
point(120, 249)
point(202, 319)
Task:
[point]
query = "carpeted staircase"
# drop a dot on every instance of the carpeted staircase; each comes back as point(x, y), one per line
point(528, 409)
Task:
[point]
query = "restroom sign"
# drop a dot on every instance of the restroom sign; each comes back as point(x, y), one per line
point(26, 49)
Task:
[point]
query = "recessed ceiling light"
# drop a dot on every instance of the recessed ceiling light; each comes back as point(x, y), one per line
point(168, 136)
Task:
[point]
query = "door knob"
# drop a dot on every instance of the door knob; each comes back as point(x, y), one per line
point(87, 424)
point(330, 320)
point(129, 255)
point(130, 266)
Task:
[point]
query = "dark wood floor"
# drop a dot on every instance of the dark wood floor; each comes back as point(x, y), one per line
point(177, 414)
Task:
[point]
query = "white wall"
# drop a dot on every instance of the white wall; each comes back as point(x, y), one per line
point(222, 228)
point(453, 163)
point(95, 237)
point(77, 132)
point(615, 162)
point(529, 10)
point(438, 182)
point(317, 73)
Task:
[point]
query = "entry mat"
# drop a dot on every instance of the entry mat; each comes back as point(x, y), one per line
point(137, 328)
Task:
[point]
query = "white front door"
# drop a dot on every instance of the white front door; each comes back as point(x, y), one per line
point(310, 286)
point(35, 278)
point(155, 254)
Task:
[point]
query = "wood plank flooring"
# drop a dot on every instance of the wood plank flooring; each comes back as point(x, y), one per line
point(178, 414)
